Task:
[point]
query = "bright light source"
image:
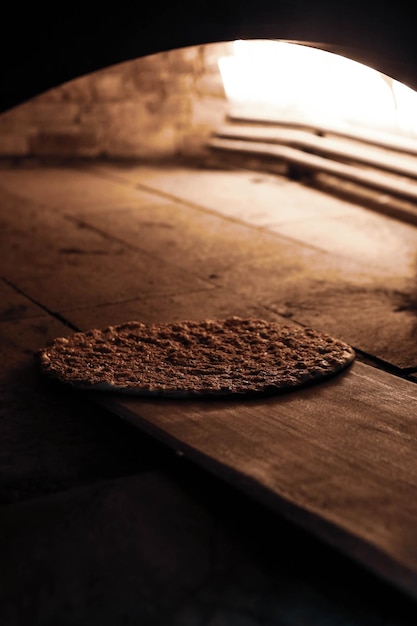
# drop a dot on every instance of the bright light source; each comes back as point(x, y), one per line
point(298, 83)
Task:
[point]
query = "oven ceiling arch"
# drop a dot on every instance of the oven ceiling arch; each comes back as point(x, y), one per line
point(44, 47)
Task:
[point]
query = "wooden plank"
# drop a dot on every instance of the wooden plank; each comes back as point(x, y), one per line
point(375, 180)
point(338, 148)
point(338, 458)
point(400, 143)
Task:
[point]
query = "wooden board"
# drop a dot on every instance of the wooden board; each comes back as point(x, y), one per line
point(373, 179)
point(379, 138)
point(338, 458)
point(338, 148)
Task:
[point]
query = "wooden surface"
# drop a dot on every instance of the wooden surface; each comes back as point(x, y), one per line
point(386, 158)
point(94, 246)
point(337, 458)
point(372, 179)
point(381, 139)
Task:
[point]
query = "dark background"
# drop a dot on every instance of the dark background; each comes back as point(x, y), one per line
point(45, 45)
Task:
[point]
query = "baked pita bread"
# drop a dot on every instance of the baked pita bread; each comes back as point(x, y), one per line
point(195, 358)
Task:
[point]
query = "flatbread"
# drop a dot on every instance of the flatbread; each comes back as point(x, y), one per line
point(195, 358)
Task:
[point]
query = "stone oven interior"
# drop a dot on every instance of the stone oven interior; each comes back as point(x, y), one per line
point(123, 196)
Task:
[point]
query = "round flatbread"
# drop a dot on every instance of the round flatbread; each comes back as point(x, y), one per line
point(195, 358)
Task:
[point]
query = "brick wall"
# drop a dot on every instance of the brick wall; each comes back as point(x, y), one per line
point(157, 107)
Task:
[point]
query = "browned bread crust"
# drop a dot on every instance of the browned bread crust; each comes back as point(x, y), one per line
point(195, 358)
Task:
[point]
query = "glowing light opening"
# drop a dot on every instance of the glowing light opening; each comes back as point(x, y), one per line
point(292, 82)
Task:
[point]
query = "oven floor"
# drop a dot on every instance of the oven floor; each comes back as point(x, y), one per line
point(113, 526)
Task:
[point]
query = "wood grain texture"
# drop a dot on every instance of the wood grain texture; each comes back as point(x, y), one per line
point(336, 458)
point(385, 158)
point(398, 187)
point(381, 139)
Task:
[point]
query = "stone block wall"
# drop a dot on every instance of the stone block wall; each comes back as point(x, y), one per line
point(159, 107)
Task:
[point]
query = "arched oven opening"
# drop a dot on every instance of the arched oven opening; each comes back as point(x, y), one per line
point(287, 107)
point(283, 136)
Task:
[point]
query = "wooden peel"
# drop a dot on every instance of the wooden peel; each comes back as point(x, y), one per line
point(338, 459)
